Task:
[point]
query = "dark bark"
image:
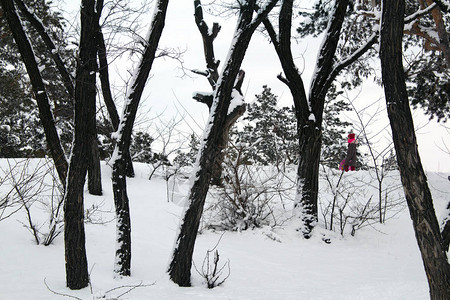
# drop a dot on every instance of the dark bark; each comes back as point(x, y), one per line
point(208, 37)
point(180, 265)
point(65, 76)
point(94, 169)
point(413, 178)
point(107, 95)
point(40, 94)
point(95, 186)
point(446, 231)
point(309, 110)
point(85, 93)
point(212, 74)
point(223, 142)
point(123, 252)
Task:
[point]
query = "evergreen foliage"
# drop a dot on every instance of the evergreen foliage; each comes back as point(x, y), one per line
point(18, 110)
point(428, 77)
point(269, 132)
point(429, 86)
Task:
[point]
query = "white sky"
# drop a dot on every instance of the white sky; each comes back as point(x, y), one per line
point(167, 92)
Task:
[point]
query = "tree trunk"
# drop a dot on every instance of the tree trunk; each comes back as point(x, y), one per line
point(107, 95)
point(446, 230)
point(45, 113)
point(77, 275)
point(123, 220)
point(37, 24)
point(212, 74)
point(309, 112)
point(413, 178)
point(121, 151)
point(180, 265)
point(94, 170)
point(310, 142)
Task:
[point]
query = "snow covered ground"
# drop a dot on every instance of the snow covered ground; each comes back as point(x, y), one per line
point(381, 262)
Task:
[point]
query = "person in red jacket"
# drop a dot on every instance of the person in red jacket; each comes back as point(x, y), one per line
point(349, 163)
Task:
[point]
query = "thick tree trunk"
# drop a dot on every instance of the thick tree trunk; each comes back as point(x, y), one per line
point(123, 250)
point(310, 142)
point(77, 275)
point(180, 265)
point(212, 74)
point(413, 178)
point(309, 112)
point(45, 113)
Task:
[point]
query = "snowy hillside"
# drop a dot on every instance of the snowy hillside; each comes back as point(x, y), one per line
point(379, 262)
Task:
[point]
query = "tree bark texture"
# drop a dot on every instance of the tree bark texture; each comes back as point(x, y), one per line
point(95, 185)
point(212, 74)
point(309, 109)
point(45, 112)
point(413, 178)
point(77, 275)
point(180, 265)
point(94, 170)
point(123, 251)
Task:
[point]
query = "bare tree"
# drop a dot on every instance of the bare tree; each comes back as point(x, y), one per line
point(125, 128)
point(212, 74)
point(414, 181)
point(107, 94)
point(224, 94)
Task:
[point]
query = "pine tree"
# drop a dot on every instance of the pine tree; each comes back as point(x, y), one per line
point(269, 132)
point(18, 109)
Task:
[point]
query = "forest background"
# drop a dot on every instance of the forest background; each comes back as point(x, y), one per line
point(170, 89)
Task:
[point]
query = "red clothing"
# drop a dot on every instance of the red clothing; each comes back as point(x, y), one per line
point(350, 160)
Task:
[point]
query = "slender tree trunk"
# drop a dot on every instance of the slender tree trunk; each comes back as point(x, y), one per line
point(107, 95)
point(123, 250)
point(45, 113)
point(37, 24)
point(446, 230)
point(413, 178)
point(94, 170)
point(77, 275)
point(180, 265)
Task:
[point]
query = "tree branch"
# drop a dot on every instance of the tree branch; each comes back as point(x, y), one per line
point(353, 57)
point(38, 86)
point(37, 24)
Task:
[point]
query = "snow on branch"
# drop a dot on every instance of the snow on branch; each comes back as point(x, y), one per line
point(262, 12)
point(43, 32)
point(355, 56)
point(421, 12)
